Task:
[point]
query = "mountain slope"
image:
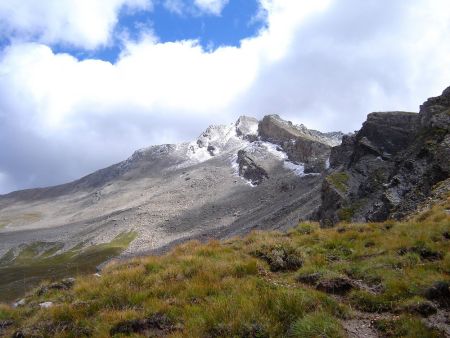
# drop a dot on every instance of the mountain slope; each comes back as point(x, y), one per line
point(263, 175)
point(169, 193)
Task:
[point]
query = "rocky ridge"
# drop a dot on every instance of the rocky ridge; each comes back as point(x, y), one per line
point(390, 166)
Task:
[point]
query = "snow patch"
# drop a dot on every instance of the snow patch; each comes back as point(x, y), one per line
point(45, 305)
point(298, 169)
point(275, 150)
point(197, 154)
point(214, 141)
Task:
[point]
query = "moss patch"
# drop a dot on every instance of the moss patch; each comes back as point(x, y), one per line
point(339, 181)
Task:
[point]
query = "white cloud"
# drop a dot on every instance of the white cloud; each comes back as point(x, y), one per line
point(81, 23)
point(175, 6)
point(195, 7)
point(211, 6)
point(149, 75)
point(324, 63)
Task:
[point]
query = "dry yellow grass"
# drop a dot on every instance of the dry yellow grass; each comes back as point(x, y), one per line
point(249, 287)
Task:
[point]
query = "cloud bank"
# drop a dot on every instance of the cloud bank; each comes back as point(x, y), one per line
point(81, 23)
point(324, 63)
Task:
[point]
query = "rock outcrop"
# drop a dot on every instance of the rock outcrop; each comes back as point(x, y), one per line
point(249, 169)
point(301, 144)
point(390, 166)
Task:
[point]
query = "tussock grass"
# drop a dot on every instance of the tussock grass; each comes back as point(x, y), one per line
point(230, 289)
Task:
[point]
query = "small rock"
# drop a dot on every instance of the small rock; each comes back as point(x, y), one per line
point(424, 253)
point(64, 284)
point(254, 330)
point(158, 325)
point(19, 303)
point(425, 308)
point(388, 226)
point(219, 330)
point(369, 244)
point(311, 278)
point(428, 254)
point(5, 324)
point(440, 293)
point(402, 251)
point(45, 305)
point(338, 285)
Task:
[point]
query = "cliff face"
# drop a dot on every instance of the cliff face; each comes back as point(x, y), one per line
point(301, 144)
point(390, 166)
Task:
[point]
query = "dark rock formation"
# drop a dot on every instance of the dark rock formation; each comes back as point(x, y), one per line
point(249, 169)
point(390, 166)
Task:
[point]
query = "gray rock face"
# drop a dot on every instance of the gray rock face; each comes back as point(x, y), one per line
point(390, 166)
point(300, 144)
point(247, 127)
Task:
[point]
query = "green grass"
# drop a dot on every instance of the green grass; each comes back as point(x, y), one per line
point(339, 181)
point(317, 325)
point(230, 288)
point(39, 261)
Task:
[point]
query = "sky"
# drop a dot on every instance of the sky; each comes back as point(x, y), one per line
point(84, 83)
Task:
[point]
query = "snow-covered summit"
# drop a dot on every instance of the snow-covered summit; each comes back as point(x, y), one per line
point(298, 148)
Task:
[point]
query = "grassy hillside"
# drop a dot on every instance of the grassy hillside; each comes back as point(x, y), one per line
point(380, 279)
point(42, 260)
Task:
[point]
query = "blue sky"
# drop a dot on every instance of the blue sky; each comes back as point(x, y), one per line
point(239, 19)
point(84, 83)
